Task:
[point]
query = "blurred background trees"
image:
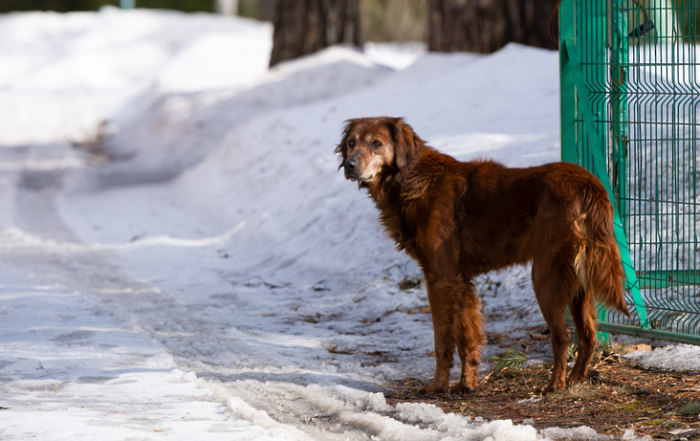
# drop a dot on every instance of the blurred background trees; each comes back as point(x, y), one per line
point(304, 26)
point(486, 26)
point(53, 5)
point(395, 20)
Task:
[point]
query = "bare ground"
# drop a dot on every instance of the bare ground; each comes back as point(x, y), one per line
point(617, 396)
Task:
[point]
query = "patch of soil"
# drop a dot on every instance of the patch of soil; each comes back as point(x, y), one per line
point(617, 396)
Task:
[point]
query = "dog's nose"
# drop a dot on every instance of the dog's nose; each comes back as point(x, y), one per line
point(350, 164)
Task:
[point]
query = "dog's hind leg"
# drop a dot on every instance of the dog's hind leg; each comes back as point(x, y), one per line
point(554, 281)
point(583, 312)
point(469, 340)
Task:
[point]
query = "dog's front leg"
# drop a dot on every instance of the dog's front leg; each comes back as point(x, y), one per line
point(442, 308)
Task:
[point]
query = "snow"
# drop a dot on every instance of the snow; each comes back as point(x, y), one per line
point(72, 70)
point(196, 266)
point(672, 358)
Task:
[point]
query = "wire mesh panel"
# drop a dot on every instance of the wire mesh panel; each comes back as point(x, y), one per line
point(630, 99)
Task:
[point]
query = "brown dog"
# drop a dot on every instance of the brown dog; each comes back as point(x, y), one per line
point(461, 219)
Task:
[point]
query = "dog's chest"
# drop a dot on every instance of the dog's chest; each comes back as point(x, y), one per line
point(399, 220)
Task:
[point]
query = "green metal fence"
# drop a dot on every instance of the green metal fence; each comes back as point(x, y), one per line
point(630, 93)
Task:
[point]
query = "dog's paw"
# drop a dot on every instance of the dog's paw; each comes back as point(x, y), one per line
point(549, 389)
point(462, 388)
point(426, 391)
point(432, 388)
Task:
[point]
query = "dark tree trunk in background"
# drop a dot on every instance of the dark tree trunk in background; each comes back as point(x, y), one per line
point(487, 25)
point(306, 26)
point(266, 8)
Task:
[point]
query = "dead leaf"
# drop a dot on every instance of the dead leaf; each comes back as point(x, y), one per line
point(408, 283)
point(643, 347)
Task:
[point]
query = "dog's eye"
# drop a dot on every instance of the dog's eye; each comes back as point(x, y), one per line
point(377, 144)
point(351, 143)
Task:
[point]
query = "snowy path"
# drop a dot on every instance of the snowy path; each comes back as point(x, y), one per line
point(123, 340)
point(72, 338)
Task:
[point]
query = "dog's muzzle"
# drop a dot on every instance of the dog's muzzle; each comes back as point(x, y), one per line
point(350, 166)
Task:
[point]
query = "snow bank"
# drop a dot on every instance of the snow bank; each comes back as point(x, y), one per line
point(64, 73)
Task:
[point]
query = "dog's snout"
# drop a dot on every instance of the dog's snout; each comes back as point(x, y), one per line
point(350, 164)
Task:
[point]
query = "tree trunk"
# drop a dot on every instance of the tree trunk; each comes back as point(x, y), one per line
point(487, 25)
point(266, 9)
point(306, 26)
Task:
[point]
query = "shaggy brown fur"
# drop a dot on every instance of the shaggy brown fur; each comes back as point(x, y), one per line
point(461, 219)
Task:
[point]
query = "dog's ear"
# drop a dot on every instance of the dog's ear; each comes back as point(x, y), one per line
point(407, 144)
point(342, 148)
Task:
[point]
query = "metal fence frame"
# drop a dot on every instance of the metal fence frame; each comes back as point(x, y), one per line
point(629, 91)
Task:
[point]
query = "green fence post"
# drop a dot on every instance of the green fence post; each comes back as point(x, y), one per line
point(619, 53)
point(567, 26)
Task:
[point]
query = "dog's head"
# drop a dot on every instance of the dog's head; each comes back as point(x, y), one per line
point(373, 148)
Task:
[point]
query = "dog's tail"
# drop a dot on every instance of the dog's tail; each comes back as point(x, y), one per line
point(598, 263)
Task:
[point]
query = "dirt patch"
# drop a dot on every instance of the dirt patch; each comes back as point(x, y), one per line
point(617, 396)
